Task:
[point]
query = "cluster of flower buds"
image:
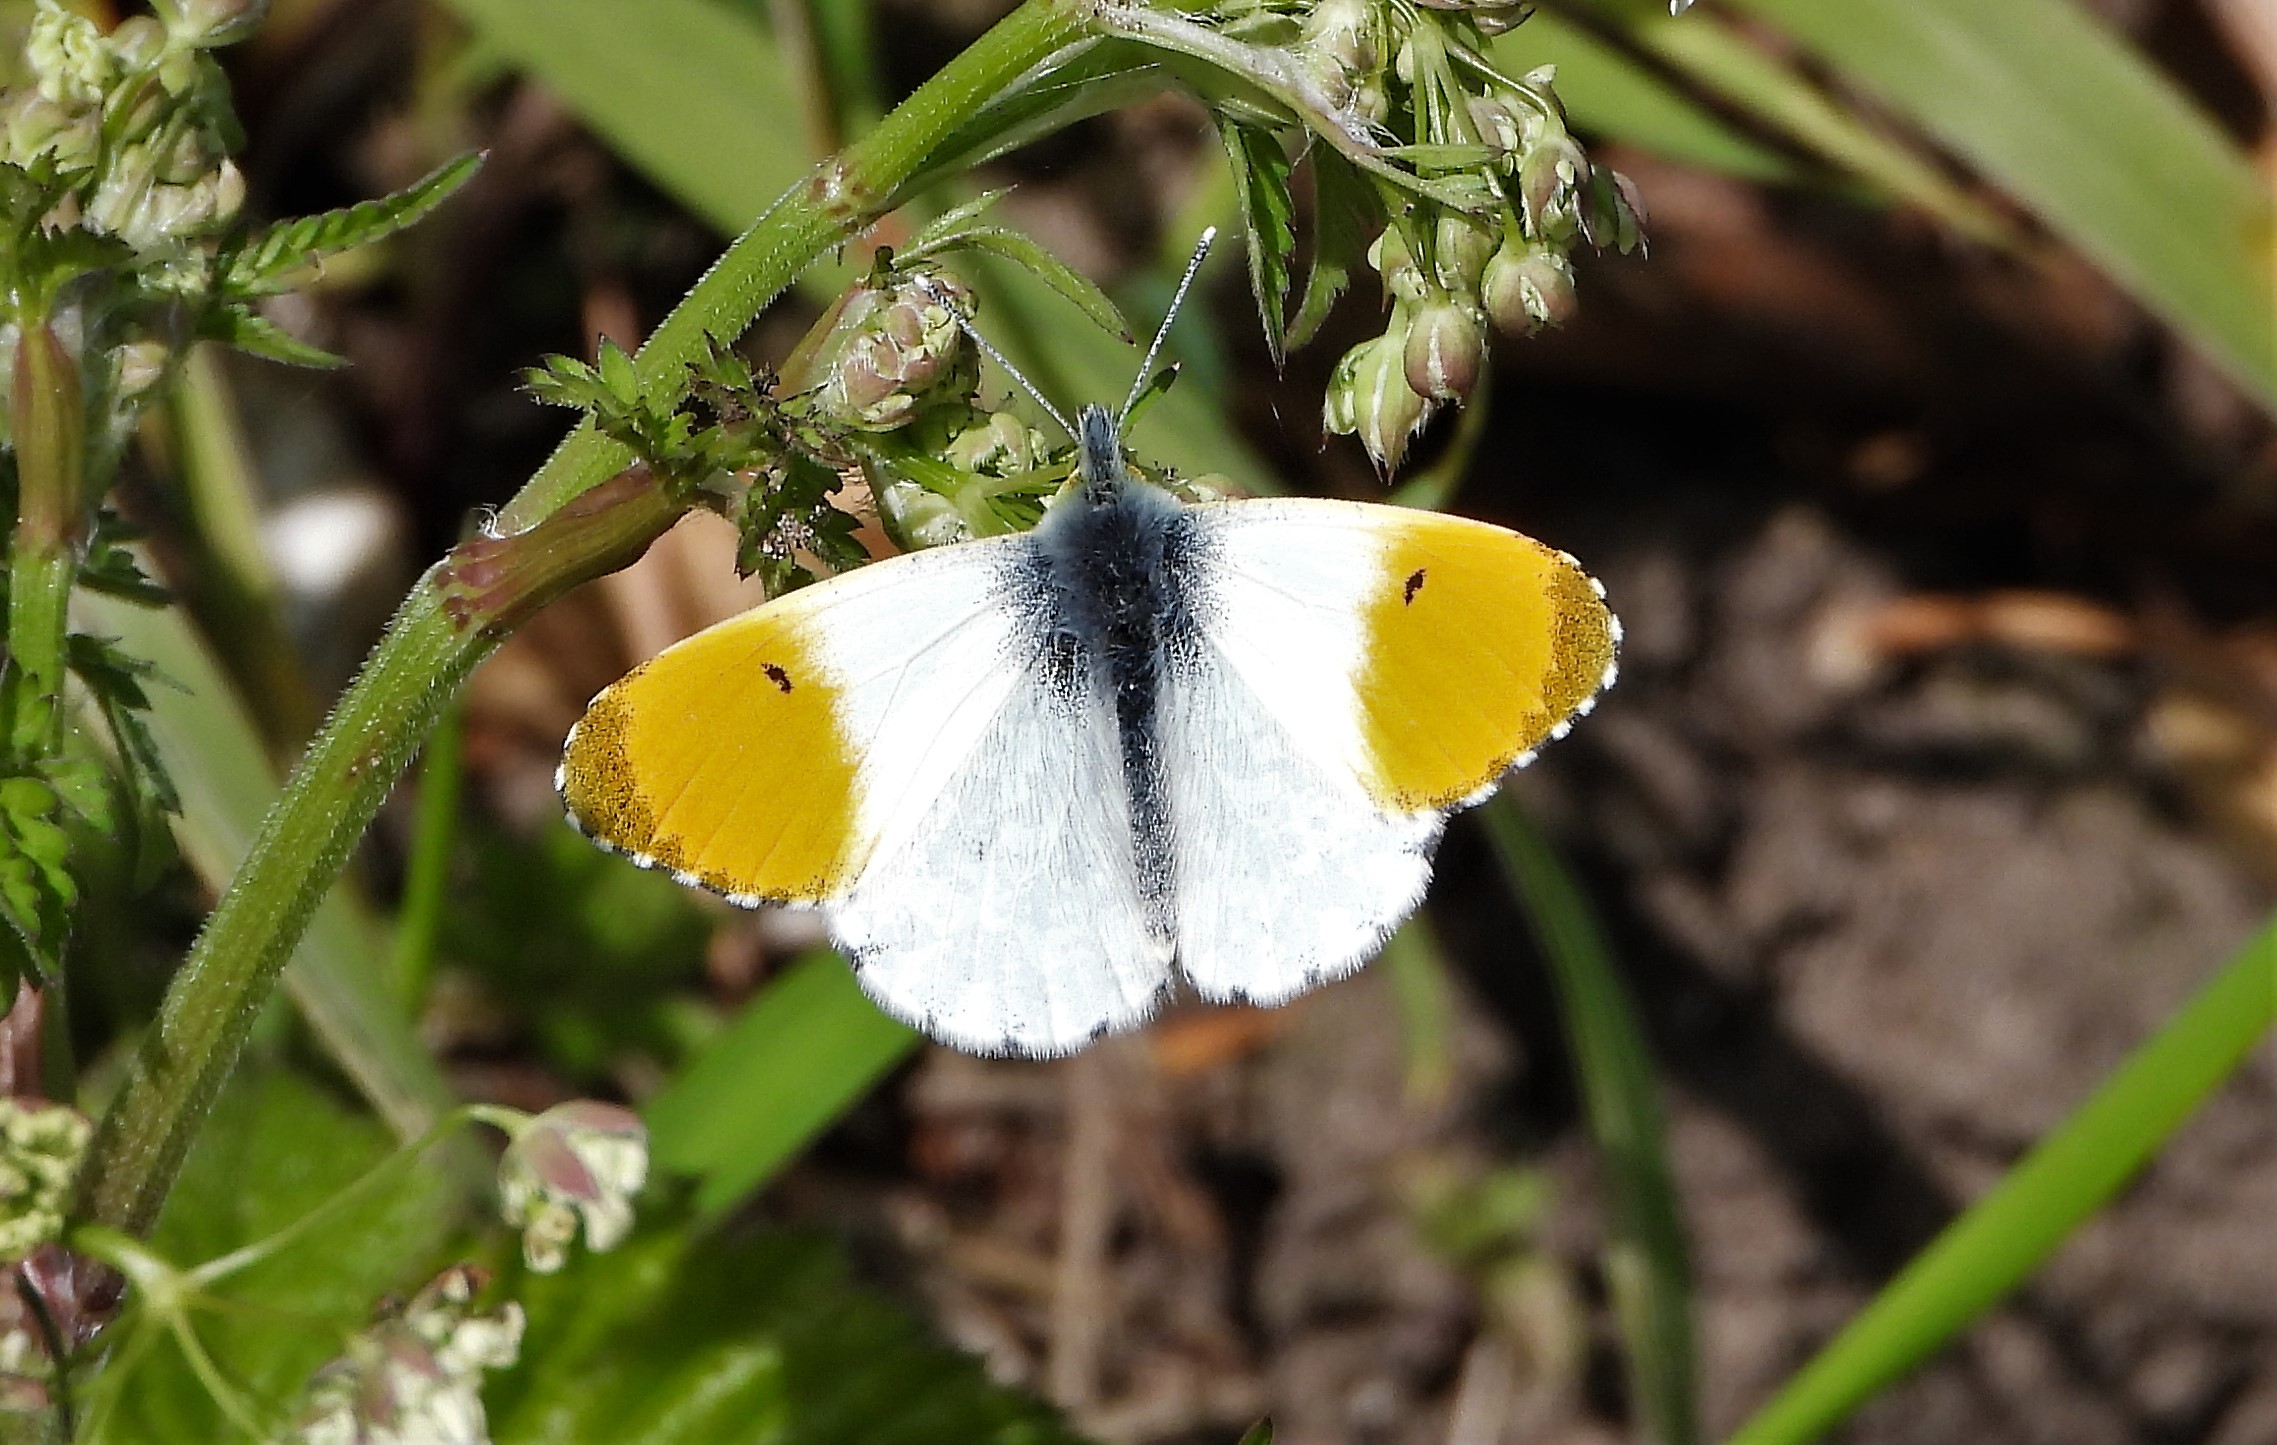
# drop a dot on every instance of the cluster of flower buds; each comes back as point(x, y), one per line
point(415, 1378)
point(131, 127)
point(885, 353)
point(951, 494)
point(40, 1145)
point(1452, 271)
point(577, 1164)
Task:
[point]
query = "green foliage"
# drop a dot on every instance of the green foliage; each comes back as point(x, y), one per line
point(278, 1147)
point(1645, 1258)
point(1261, 173)
point(586, 949)
point(273, 259)
point(685, 1337)
point(806, 1048)
point(956, 231)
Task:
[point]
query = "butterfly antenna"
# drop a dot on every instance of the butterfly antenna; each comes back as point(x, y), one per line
point(972, 332)
point(1162, 332)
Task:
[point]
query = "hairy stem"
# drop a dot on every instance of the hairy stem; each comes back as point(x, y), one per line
point(432, 645)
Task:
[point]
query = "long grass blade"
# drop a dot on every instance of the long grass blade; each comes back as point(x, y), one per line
point(2007, 1234)
point(2063, 114)
point(1646, 1261)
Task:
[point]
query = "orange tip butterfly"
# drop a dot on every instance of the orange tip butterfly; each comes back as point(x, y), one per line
point(1032, 781)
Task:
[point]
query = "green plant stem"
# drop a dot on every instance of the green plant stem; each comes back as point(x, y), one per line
point(427, 883)
point(432, 644)
point(47, 419)
point(2007, 1234)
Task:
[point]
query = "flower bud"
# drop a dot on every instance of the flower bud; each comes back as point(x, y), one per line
point(1460, 247)
point(1392, 260)
point(1345, 33)
point(1369, 396)
point(1527, 287)
point(577, 1163)
point(1445, 348)
point(67, 55)
point(1000, 445)
point(207, 23)
point(141, 365)
point(137, 42)
point(1547, 176)
point(1500, 127)
point(1611, 211)
point(914, 515)
point(415, 1375)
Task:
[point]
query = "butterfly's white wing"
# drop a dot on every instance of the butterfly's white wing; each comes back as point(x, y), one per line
point(1362, 672)
point(883, 745)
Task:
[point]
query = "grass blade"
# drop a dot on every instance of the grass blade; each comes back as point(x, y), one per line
point(1645, 1259)
point(2046, 101)
point(2006, 1235)
point(804, 1050)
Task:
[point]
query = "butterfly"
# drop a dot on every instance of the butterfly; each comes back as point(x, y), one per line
point(1032, 780)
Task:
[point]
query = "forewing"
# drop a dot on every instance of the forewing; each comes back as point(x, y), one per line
point(1361, 672)
point(887, 745)
point(767, 757)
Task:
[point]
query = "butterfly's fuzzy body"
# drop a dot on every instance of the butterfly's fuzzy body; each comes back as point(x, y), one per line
point(1031, 780)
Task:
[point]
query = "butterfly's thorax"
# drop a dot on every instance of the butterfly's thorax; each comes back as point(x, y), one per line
point(1113, 610)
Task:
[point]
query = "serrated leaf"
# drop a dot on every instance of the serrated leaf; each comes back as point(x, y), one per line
point(682, 1338)
point(267, 262)
point(1051, 270)
point(82, 787)
point(1261, 186)
point(1343, 207)
point(615, 370)
point(251, 332)
point(108, 670)
point(111, 568)
point(566, 381)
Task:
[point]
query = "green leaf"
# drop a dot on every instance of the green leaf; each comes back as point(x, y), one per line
point(1344, 210)
point(615, 369)
point(566, 381)
point(949, 223)
point(249, 331)
point(1051, 270)
point(276, 1147)
point(806, 1048)
point(2006, 1235)
point(1261, 187)
point(2049, 103)
point(37, 891)
point(1645, 1261)
point(269, 261)
point(680, 1340)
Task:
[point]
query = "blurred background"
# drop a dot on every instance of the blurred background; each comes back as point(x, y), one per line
point(1928, 457)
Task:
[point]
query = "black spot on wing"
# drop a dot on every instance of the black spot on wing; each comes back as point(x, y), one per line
point(776, 675)
point(1414, 585)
